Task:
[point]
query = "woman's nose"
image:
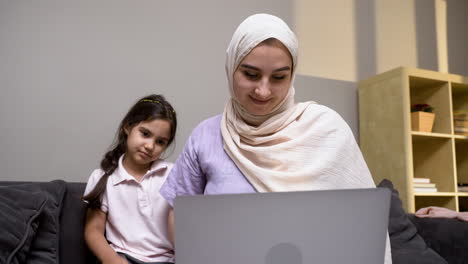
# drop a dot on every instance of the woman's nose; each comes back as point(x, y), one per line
point(263, 89)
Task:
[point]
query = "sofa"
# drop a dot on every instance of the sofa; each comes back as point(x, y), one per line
point(42, 223)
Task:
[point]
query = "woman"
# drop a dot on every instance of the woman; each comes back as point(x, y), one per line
point(264, 141)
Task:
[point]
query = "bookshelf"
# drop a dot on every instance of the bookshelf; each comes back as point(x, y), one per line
point(393, 151)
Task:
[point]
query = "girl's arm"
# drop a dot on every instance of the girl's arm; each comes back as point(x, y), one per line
point(94, 236)
point(170, 225)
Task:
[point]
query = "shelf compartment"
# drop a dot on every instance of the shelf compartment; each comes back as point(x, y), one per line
point(441, 201)
point(463, 204)
point(437, 94)
point(461, 153)
point(460, 96)
point(460, 103)
point(433, 158)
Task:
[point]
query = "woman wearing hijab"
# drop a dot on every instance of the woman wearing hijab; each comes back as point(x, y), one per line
point(264, 141)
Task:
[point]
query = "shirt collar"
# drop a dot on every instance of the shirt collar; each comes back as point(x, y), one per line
point(121, 174)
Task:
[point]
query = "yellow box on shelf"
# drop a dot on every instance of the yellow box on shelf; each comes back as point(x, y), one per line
point(422, 121)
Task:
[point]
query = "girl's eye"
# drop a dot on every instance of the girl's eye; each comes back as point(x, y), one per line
point(251, 75)
point(145, 134)
point(161, 142)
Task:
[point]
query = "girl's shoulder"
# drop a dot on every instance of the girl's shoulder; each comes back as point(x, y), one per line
point(93, 180)
point(96, 175)
point(162, 164)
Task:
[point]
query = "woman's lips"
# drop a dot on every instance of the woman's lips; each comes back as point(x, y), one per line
point(257, 101)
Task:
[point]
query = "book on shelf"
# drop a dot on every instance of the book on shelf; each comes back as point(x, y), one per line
point(461, 131)
point(460, 119)
point(421, 180)
point(425, 189)
point(424, 185)
point(462, 187)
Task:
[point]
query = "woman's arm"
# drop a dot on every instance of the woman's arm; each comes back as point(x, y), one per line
point(435, 211)
point(94, 235)
point(463, 216)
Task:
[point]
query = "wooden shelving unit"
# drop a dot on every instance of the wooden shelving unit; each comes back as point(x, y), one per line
point(395, 152)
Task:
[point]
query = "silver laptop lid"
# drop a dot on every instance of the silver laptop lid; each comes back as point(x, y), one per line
point(326, 227)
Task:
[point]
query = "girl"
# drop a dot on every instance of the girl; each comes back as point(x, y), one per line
point(126, 220)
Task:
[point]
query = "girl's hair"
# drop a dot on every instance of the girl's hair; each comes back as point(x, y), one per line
point(147, 108)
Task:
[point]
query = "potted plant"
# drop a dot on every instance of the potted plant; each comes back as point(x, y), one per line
point(422, 117)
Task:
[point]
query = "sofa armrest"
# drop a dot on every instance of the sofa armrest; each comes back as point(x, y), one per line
point(448, 237)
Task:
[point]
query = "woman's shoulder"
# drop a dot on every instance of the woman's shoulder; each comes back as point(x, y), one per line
point(208, 126)
point(319, 108)
point(325, 119)
point(211, 122)
point(323, 111)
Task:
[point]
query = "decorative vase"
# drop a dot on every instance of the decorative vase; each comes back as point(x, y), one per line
point(422, 121)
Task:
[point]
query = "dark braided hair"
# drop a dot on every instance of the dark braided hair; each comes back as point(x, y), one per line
point(147, 108)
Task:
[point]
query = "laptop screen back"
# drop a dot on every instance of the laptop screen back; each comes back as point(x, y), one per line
point(326, 227)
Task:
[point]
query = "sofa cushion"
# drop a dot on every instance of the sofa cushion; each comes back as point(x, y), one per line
point(45, 245)
point(19, 219)
point(407, 245)
point(73, 248)
point(448, 237)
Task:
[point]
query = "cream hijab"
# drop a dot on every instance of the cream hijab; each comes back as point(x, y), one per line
point(302, 146)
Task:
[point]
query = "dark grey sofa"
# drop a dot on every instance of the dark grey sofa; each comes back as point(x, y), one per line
point(414, 240)
point(57, 231)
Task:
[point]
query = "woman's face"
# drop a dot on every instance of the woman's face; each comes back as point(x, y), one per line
point(262, 79)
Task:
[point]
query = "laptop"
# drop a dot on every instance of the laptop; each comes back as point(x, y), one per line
point(325, 227)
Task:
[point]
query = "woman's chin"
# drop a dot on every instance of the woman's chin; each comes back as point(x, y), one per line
point(259, 112)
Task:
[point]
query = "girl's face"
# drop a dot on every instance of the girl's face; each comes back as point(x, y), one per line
point(146, 141)
point(262, 79)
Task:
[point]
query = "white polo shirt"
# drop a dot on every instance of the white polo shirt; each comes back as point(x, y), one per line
point(136, 212)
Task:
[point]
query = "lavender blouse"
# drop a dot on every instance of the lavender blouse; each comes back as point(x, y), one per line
point(203, 167)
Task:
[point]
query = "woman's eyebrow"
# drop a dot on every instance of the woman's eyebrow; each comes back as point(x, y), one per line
point(285, 68)
point(249, 67)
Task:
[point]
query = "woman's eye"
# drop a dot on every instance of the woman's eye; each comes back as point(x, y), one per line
point(278, 78)
point(251, 75)
point(144, 134)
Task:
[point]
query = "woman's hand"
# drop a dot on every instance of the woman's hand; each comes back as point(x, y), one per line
point(435, 211)
point(463, 216)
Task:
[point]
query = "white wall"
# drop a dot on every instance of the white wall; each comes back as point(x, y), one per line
point(69, 70)
point(457, 37)
point(353, 40)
